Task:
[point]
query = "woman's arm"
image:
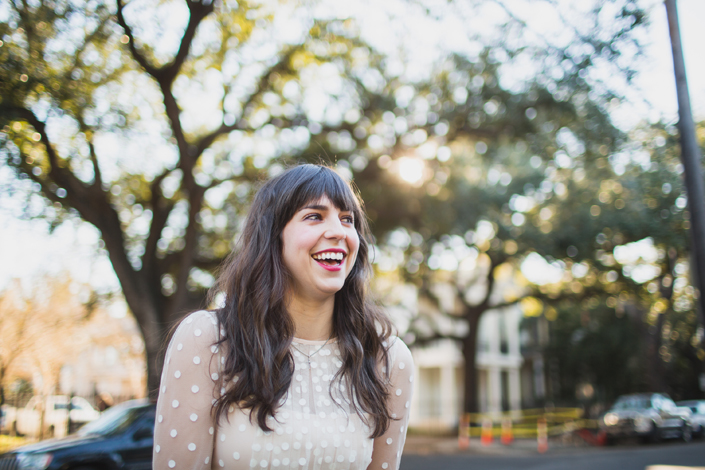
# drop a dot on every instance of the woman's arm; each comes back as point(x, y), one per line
point(387, 450)
point(184, 428)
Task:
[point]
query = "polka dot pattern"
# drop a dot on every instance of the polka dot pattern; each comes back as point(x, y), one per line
point(316, 426)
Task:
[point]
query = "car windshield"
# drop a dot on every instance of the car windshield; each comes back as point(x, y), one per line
point(75, 405)
point(632, 403)
point(695, 407)
point(112, 421)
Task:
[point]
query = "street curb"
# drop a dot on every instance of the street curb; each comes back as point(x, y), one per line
point(433, 445)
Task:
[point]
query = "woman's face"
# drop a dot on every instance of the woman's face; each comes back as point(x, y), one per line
point(320, 245)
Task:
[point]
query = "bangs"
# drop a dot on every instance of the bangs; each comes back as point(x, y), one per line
point(320, 182)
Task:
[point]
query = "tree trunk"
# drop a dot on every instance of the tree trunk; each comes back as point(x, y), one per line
point(654, 363)
point(154, 332)
point(470, 394)
point(691, 158)
point(2, 381)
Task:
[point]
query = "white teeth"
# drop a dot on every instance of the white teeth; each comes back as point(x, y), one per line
point(329, 255)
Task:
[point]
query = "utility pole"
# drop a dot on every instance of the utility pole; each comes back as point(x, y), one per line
point(690, 156)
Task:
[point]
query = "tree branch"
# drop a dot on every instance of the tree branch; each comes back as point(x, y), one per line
point(97, 176)
point(90, 201)
point(82, 47)
point(485, 304)
point(173, 112)
point(80, 196)
point(504, 304)
point(136, 54)
point(161, 208)
point(172, 260)
point(189, 250)
point(165, 77)
point(427, 292)
point(198, 10)
point(281, 65)
point(426, 340)
point(597, 44)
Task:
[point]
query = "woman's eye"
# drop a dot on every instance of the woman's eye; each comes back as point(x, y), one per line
point(313, 217)
point(347, 218)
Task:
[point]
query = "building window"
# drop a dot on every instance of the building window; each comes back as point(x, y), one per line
point(430, 392)
point(504, 379)
point(503, 334)
point(460, 388)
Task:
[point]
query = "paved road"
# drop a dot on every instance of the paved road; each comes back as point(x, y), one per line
point(621, 457)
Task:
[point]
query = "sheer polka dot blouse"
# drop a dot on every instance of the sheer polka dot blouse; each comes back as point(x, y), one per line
point(316, 427)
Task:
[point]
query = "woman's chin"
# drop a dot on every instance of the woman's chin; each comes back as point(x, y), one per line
point(334, 290)
point(329, 289)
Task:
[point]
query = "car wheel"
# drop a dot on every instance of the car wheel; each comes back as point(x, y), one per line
point(686, 433)
point(656, 434)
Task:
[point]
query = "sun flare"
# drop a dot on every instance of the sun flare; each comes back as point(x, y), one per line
point(411, 169)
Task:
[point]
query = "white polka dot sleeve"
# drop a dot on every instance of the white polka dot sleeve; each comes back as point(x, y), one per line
point(387, 450)
point(183, 432)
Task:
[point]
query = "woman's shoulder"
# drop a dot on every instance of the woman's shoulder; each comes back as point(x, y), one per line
point(397, 349)
point(200, 316)
point(195, 338)
point(202, 324)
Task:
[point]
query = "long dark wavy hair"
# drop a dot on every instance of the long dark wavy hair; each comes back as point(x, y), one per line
point(257, 328)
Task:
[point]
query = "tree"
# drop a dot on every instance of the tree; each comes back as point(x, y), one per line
point(34, 329)
point(78, 80)
point(487, 184)
point(14, 331)
point(35, 323)
point(497, 175)
point(639, 272)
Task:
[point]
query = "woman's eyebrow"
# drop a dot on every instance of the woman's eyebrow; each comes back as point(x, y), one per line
point(321, 207)
point(317, 207)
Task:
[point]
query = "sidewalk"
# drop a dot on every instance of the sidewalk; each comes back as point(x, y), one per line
point(434, 445)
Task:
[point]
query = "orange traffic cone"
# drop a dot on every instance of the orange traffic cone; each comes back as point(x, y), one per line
point(542, 435)
point(507, 433)
point(464, 432)
point(486, 436)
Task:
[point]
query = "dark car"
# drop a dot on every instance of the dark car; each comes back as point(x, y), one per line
point(121, 438)
point(697, 408)
point(649, 416)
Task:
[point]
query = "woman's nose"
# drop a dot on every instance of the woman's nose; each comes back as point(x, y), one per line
point(335, 230)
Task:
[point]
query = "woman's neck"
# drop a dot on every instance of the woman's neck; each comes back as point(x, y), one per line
point(313, 319)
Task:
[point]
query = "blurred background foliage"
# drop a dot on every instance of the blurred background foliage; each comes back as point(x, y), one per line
point(498, 166)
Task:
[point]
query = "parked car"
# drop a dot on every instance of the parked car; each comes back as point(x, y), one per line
point(649, 416)
point(27, 421)
point(121, 438)
point(697, 407)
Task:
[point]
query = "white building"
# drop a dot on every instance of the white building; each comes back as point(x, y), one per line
point(438, 392)
point(113, 362)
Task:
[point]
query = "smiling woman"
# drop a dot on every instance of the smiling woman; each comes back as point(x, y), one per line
point(298, 368)
point(320, 235)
